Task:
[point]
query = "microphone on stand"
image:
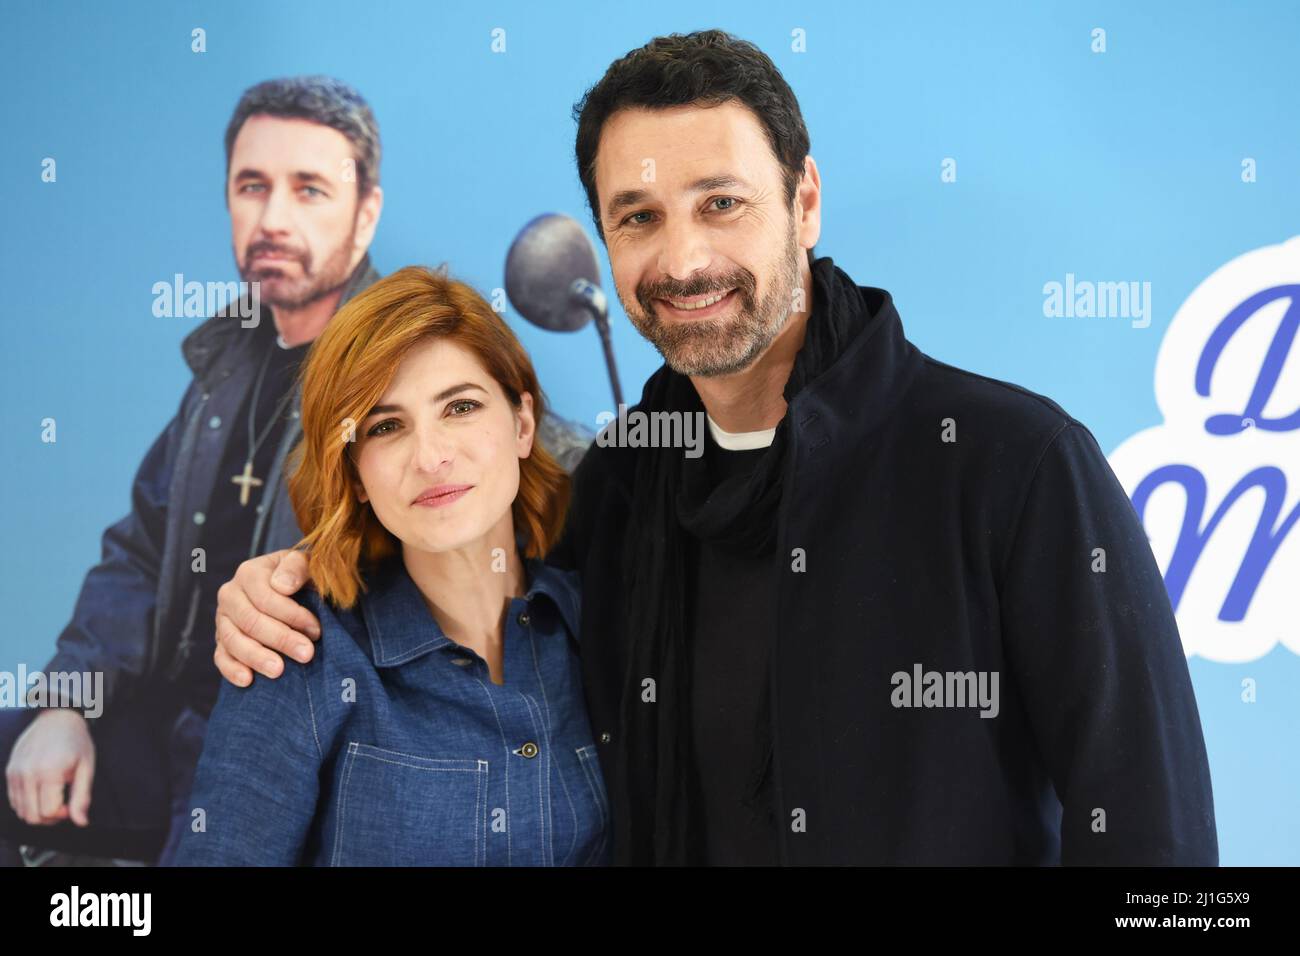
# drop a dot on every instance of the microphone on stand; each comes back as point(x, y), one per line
point(553, 281)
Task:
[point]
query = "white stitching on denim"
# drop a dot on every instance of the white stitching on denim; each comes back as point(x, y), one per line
point(563, 783)
point(537, 669)
point(416, 766)
point(506, 746)
point(584, 757)
point(398, 753)
point(343, 804)
point(543, 785)
point(573, 812)
point(546, 721)
point(480, 816)
point(311, 710)
point(413, 652)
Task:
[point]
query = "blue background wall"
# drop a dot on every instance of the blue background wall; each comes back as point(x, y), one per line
point(1118, 165)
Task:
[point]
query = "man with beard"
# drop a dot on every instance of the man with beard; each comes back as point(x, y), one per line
point(302, 188)
point(896, 613)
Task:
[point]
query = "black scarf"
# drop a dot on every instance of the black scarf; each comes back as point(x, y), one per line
point(674, 494)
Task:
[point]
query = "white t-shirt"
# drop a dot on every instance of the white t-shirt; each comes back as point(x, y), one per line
point(740, 441)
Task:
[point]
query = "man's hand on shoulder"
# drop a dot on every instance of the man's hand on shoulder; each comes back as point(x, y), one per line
point(257, 616)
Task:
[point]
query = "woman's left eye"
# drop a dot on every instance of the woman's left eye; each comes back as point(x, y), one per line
point(467, 403)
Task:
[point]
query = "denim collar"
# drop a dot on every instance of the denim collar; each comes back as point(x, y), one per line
point(401, 628)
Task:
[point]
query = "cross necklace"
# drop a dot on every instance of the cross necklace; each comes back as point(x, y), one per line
point(246, 480)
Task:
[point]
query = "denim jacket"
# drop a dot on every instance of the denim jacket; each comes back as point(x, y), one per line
point(393, 747)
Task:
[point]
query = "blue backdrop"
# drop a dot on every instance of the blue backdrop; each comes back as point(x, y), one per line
point(971, 155)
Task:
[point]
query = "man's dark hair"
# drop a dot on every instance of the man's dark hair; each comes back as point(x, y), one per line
point(323, 100)
point(708, 67)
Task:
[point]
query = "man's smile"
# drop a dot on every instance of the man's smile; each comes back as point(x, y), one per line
point(698, 306)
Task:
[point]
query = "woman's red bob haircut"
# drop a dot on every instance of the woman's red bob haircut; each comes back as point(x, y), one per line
point(347, 371)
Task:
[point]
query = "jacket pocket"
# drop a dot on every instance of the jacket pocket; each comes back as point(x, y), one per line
point(590, 764)
point(401, 809)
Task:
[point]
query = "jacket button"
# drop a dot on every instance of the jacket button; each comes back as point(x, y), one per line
point(214, 421)
point(523, 618)
point(461, 661)
point(604, 737)
point(261, 508)
point(528, 750)
point(199, 517)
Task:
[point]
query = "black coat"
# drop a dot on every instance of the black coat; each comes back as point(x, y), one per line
point(953, 522)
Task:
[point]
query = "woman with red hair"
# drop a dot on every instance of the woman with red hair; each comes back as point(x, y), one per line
point(441, 720)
